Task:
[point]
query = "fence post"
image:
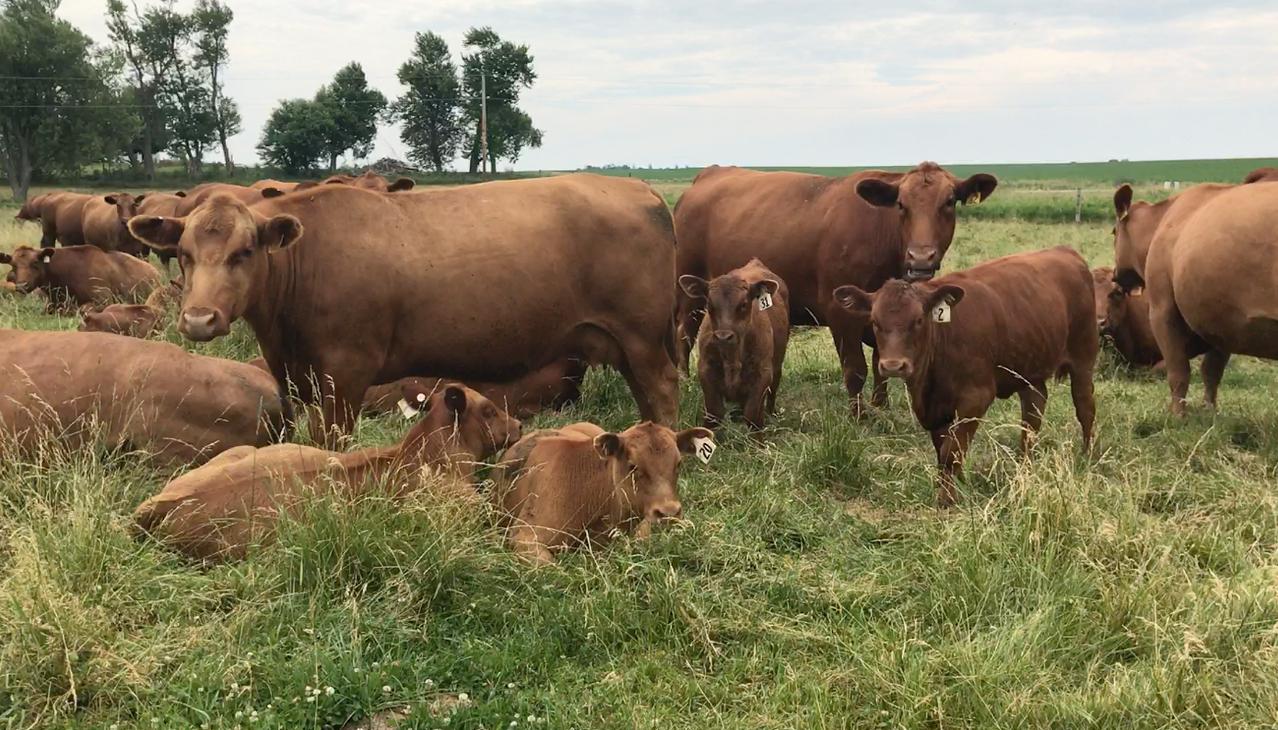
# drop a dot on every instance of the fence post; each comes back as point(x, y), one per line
point(1078, 206)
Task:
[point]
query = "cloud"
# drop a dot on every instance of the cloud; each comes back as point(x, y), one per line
point(807, 82)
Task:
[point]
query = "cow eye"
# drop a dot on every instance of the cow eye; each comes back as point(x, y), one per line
point(900, 206)
point(951, 202)
point(490, 412)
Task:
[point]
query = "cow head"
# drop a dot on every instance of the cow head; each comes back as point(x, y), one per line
point(732, 303)
point(901, 314)
point(925, 198)
point(1102, 286)
point(30, 210)
point(30, 267)
point(459, 413)
point(1134, 226)
point(222, 247)
point(643, 462)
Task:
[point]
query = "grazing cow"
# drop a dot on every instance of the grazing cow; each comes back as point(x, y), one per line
point(217, 511)
point(371, 181)
point(78, 275)
point(1123, 317)
point(999, 329)
point(61, 218)
point(558, 488)
point(514, 275)
point(1138, 222)
point(84, 388)
point(1198, 303)
point(132, 320)
point(1261, 174)
point(742, 342)
point(160, 204)
point(819, 232)
point(106, 223)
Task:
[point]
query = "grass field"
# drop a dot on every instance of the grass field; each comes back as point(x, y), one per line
point(812, 585)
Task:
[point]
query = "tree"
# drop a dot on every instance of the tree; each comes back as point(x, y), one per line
point(430, 111)
point(297, 136)
point(354, 109)
point(504, 68)
point(165, 37)
point(211, 20)
point(56, 108)
point(152, 136)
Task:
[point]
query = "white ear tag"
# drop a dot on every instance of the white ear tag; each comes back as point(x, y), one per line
point(941, 313)
point(410, 410)
point(704, 449)
point(765, 302)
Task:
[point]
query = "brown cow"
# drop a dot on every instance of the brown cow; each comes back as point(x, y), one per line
point(742, 342)
point(998, 329)
point(200, 194)
point(1137, 222)
point(160, 204)
point(371, 181)
point(1198, 303)
point(514, 275)
point(1123, 317)
point(93, 388)
point(819, 232)
point(78, 275)
point(133, 320)
point(106, 223)
point(1261, 174)
point(216, 512)
point(559, 488)
point(62, 218)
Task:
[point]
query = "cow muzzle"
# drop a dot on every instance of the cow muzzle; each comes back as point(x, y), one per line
point(201, 324)
point(671, 510)
point(921, 263)
point(895, 368)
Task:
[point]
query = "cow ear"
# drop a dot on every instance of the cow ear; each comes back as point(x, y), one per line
point(110, 199)
point(5, 258)
point(879, 193)
point(1122, 201)
point(158, 232)
point(854, 299)
point(687, 439)
point(180, 193)
point(279, 232)
point(976, 188)
point(607, 445)
point(306, 185)
point(138, 200)
point(46, 254)
point(694, 286)
point(269, 193)
point(759, 288)
point(455, 399)
point(403, 183)
point(949, 293)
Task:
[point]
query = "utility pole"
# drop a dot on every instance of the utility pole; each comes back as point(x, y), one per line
point(483, 115)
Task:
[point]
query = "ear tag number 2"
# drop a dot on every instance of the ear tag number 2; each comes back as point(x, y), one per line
point(941, 313)
point(704, 449)
point(765, 302)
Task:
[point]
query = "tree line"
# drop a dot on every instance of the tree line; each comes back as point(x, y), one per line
point(158, 88)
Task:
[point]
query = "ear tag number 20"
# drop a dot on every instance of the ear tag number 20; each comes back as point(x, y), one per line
point(704, 449)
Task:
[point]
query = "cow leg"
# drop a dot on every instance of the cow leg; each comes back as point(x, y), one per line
point(953, 443)
point(1081, 390)
point(712, 397)
point(691, 312)
point(653, 381)
point(1033, 406)
point(879, 399)
point(756, 409)
point(1174, 338)
point(338, 409)
point(1213, 369)
point(852, 360)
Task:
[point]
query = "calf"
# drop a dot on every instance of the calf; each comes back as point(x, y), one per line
point(133, 320)
point(217, 511)
point(77, 275)
point(999, 329)
point(742, 341)
point(559, 488)
point(553, 386)
point(90, 388)
point(1123, 317)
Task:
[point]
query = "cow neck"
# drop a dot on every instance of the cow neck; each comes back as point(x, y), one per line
point(267, 314)
point(438, 446)
point(928, 378)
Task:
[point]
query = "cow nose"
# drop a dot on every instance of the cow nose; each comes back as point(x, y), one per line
point(199, 323)
point(895, 367)
point(725, 335)
point(668, 511)
point(515, 431)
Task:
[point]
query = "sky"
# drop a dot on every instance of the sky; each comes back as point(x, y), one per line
point(805, 82)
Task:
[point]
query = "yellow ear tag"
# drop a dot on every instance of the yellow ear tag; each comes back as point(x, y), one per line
point(974, 198)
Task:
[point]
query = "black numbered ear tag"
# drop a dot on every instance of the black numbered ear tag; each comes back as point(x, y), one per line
point(704, 449)
point(765, 302)
point(941, 313)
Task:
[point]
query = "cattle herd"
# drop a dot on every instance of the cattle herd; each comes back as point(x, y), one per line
point(468, 308)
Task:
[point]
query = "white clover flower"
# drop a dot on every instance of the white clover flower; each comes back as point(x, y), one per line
point(310, 698)
point(429, 683)
point(510, 685)
point(463, 697)
point(329, 691)
point(238, 714)
point(386, 689)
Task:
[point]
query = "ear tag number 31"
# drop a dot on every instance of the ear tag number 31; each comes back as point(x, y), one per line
point(765, 302)
point(941, 313)
point(704, 449)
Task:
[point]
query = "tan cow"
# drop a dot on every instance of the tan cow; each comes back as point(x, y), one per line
point(1002, 328)
point(480, 283)
point(742, 342)
point(1198, 302)
point(132, 320)
point(559, 488)
point(62, 218)
point(552, 387)
point(78, 275)
point(81, 388)
point(1123, 317)
point(371, 181)
point(1261, 174)
point(218, 511)
point(106, 223)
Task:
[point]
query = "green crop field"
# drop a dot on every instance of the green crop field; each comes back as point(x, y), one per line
point(811, 585)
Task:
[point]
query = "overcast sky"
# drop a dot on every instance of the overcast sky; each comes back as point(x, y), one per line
point(806, 82)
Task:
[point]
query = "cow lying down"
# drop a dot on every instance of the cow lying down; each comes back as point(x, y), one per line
point(217, 511)
point(83, 388)
point(562, 487)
